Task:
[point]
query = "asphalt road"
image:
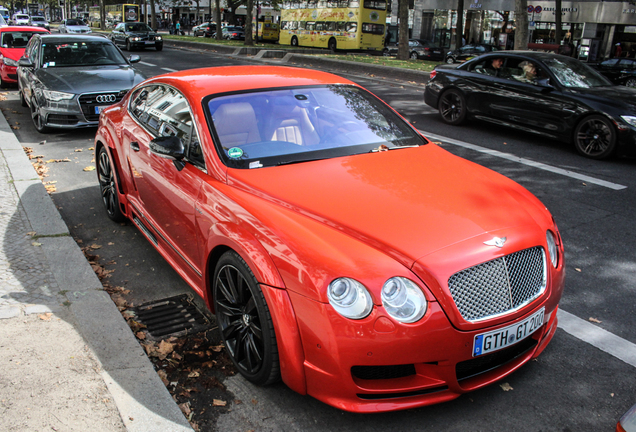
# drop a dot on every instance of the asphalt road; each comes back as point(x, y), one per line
point(573, 386)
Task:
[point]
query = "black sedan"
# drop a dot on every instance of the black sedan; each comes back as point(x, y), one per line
point(67, 80)
point(205, 29)
point(467, 52)
point(233, 33)
point(418, 49)
point(548, 94)
point(620, 71)
point(133, 35)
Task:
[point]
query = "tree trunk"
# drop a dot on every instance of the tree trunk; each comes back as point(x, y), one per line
point(403, 32)
point(459, 27)
point(557, 22)
point(521, 21)
point(153, 15)
point(249, 40)
point(102, 15)
point(217, 19)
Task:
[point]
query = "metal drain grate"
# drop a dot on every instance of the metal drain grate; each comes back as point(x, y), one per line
point(171, 316)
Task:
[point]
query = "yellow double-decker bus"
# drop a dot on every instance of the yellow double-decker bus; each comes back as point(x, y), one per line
point(334, 24)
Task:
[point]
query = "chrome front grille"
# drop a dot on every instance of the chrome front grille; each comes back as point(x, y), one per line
point(500, 286)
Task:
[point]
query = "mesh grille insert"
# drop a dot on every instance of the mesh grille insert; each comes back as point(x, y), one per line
point(499, 286)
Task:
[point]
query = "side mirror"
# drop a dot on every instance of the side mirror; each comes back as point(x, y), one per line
point(134, 58)
point(25, 62)
point(170, 147)
point(544, 82)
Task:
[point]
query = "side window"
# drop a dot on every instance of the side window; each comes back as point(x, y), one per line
point(35, 54)
point(524, 71)
point(165, 112)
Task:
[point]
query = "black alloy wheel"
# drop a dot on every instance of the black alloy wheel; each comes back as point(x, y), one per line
point(244, 320)
point(38, 121)
point(450, 60)
point(108, 186)
point(414, 56)
point(595, 137)
point(631, 82)
point(294, 41)
point(452, 107)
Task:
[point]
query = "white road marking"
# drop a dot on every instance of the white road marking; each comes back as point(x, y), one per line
point(169, 70)
point(147, 64)
point(602, 339)
point(523, 161)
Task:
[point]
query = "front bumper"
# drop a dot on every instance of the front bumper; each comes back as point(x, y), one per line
point(145, 44)
point(377, 364)
point(9, 73)
point(626, 140)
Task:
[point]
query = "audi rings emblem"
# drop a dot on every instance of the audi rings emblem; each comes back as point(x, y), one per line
point(106, 98)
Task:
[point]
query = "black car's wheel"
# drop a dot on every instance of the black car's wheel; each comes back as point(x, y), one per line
point(294, 41)
point(244, 320)
point(452, 107)
point(595, 137)
point(128, 45)
point(108, 186)
point(38, 121)
point(414, 56)
point(450, 60)
point(159, 47)
point(386, 53)
point(631, 82)
point(333, 45)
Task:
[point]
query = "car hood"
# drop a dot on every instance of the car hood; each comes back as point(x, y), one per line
point(616, 96)
point(12, 53)
point(407, 203)
point(82, 80)
point(78, 28)
point(140, 33)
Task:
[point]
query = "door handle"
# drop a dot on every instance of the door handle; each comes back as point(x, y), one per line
point(134, 145)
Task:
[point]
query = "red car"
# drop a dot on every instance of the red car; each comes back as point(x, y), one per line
point(339, 249)
point(13, 41)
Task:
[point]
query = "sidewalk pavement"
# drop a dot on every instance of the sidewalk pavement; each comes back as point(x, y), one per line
point(68, 360)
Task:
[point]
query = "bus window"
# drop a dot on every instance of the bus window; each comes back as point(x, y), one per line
point(311, 4)
point(375, 4)
point(330, 26)
point(320, 26)
point(372, 28)
point(341, 26)
point(310, 26)
point(332, 3)
point(301, 25)
point(302, 5)
point(322, 4)
point(351, 27)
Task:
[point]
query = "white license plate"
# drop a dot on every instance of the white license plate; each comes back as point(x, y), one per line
point(504, 337)
point(150, 42)
point(99, 109)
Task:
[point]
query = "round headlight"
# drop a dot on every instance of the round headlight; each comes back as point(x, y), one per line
point(349, 298)
point(403, 300)
point(552, 248)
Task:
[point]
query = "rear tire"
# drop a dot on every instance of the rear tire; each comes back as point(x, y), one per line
point(294, 41)
point(244, 320)
point(108, 186)
point(595, 137)
point(450, 60)
point(631, 82)
point(414, 56)
point(333, 45)
point(452, 107)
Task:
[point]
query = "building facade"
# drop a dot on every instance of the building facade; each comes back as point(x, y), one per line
point(593, 27)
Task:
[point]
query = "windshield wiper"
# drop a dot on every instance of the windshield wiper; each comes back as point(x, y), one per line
point(386, 148)
point(298, 161)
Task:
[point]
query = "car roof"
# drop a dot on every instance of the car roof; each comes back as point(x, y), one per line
point(199, 83)
point(530, 54)
point(54, 38)
point(24, 28)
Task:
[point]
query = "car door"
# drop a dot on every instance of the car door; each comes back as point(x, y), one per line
point(118, 34)
point(165, 192)
point(530, 105)
point(27, 76)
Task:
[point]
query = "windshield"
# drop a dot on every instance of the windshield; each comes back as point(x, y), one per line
point(276, 127)
point(81, 54)
point(138, 27)
point(74, 22)
point(16, 39)
point(37, 18)
point(573, 73)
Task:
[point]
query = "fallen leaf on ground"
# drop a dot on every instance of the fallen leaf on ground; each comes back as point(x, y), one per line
point(218, 402)
point(36, 244)
point(89, 168)
point(185, 408)
point(164, 376)
point(506, 386)
point(164, 349)
point(578, 270)
point(140, 335)
point(31, 233)
point(594, 320)
point(79, 150)
point(45, 316)
point(194, 374)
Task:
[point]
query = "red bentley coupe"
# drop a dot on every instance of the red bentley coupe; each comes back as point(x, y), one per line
point(340, 250)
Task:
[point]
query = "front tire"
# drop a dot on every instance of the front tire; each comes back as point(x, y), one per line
point(452, 107)
point(38, 121)
point(333, 45)
point(294, 41)
point(631, 82)
point(595, 137)
point(414, 56)
point(159, 47)
point(244, 320)
point(108, 186)
point(450, 60)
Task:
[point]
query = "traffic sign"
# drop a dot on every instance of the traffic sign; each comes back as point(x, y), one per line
point(531, 8)
point(538, 9)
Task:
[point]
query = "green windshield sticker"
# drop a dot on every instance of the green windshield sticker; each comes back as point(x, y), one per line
point(235, 153)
